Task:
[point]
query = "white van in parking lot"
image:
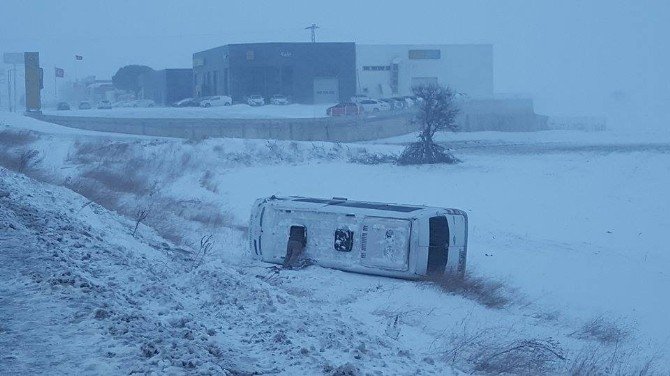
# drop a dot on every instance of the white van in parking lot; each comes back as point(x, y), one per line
point(217, 100)
point(404, 241)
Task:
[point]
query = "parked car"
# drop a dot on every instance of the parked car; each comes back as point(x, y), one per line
point(393, 105)
point(186, 102)
point(400, 102)
point(143, 103)
point(359, 97)
point(345, 109)
point(372, 105)
point(279, 99)
point(104, 105)
point(84, 105)
point(199, 101)
point(121, 104)
point(62, 106)
point(255, 100)
point(217, 100)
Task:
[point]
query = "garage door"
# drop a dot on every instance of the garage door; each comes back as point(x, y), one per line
point(326, 90)
point(423, 81)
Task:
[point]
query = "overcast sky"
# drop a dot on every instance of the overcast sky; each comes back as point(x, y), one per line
point(573, 56)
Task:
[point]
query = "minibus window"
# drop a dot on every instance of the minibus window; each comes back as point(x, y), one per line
point(344, 240)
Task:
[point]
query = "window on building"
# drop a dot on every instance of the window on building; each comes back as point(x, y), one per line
point(394, 78)
point(225, 89)
point(425, 54)
point(344, 240)
point(376, 67)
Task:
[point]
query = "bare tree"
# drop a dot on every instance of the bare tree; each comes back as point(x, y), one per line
point(140, 216)
point(206, 244)
point(437, 111)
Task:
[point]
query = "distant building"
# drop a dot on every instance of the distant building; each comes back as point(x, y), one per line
point(334, 72)
point(305, 72)
point(167, 86)
point(393, 70)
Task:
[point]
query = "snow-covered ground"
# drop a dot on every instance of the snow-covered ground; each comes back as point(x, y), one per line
point(573, 223)
point(237, 111)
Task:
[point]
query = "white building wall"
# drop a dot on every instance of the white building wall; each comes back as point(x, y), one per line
point(465, 68)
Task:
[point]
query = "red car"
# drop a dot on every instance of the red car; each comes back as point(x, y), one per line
point(345, 109)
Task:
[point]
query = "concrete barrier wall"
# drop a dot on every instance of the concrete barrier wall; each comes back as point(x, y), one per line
point(476, 115)
point(506, 115)
point(319, 129)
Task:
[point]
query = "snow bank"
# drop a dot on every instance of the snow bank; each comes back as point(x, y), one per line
point(238, 111)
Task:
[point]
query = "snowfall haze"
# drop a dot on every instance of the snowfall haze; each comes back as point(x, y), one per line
point(594, 58)
point(519, 230)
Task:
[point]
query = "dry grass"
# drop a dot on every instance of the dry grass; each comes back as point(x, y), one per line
point(490, 350)
point(368, 158)
point(520, 357)
point(95, 152)
point(127, 180)
point(592, 361)
point(94, 191)
point(601, 330)
point(486, 291)
point(11, 138)
point(21, 159)
point(207, 182)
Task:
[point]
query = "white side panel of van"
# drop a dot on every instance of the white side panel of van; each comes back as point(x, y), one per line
point(385, 243)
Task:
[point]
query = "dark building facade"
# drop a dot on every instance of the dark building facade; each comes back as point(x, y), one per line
point(305, 72)
point(167, 86)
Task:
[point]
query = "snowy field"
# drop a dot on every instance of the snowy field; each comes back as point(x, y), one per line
point(236, 111)
point(570, 226)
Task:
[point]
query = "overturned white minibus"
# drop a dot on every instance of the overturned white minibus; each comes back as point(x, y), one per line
point(405, 241)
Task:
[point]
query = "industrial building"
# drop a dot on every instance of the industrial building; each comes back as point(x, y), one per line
point(393, 70)
point(334, 72)
point(305, 72)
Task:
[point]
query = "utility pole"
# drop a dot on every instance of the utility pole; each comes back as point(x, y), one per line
point(313, 29)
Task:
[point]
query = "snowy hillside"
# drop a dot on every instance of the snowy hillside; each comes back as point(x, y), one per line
point(567, 256)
